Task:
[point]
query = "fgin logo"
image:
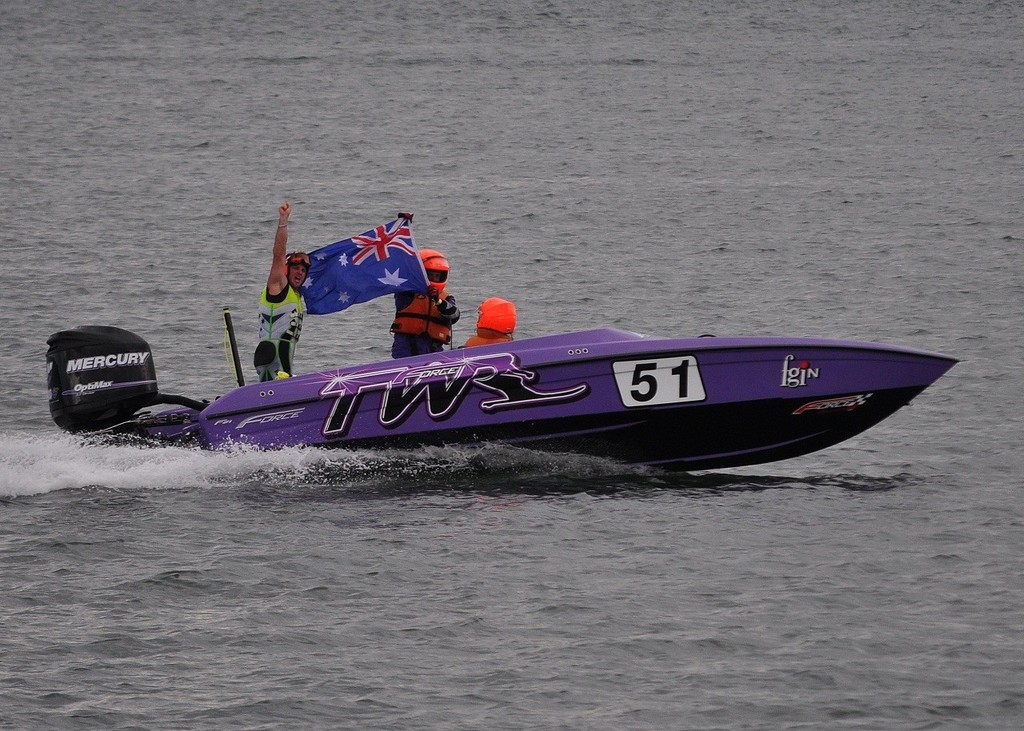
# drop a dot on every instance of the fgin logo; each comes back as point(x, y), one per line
point(794, 376)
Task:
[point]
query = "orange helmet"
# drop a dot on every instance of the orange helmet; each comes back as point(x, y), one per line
point(495, 313)
point(436, 266)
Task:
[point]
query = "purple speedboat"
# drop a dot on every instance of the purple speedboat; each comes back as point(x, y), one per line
point(678, 404)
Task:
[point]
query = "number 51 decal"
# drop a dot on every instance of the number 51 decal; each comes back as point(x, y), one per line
point(658, 381)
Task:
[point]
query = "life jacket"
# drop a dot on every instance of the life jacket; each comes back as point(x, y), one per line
point(281, 320)
point(486, 336)
point(422, 316)
point(280, 326)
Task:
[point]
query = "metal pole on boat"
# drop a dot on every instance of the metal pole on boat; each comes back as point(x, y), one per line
point(230, 344)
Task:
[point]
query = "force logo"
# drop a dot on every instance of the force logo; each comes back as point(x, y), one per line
point(271, 417)
point(843, 403)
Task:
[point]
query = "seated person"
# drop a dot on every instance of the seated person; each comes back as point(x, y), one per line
point(495, 322)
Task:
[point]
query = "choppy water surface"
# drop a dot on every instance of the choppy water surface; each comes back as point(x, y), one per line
point(756, 168)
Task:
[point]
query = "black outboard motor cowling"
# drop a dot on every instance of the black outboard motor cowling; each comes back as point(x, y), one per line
point(98, 377)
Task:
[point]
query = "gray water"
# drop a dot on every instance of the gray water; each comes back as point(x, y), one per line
point(831, 169)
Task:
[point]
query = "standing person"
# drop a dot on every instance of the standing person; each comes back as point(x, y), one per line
point(423, 322)
point(281, 305)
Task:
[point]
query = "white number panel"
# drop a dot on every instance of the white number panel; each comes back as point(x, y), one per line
point(658, 381)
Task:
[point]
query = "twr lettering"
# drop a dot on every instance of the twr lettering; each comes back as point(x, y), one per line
point(404, 389)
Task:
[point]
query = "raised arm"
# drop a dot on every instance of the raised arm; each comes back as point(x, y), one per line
point(278, 278)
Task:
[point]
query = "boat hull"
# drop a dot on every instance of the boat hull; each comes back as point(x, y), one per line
point(700, 438)
point(679, 404)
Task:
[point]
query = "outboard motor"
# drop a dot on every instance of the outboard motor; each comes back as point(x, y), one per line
point(98, 377)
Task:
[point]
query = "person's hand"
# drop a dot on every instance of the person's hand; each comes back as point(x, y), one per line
point(283, 213)
point(406, 216)
point(432, 293)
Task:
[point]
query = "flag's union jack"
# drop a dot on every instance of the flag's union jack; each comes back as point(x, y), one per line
point(375, 243)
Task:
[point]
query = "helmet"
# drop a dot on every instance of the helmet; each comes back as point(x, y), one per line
point(495, 313)
point(297, 257)
point(436, 266)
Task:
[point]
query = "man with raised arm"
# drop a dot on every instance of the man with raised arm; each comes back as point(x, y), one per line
point(281, 305)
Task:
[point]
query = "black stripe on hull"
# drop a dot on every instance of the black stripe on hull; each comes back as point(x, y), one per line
point(695, 437)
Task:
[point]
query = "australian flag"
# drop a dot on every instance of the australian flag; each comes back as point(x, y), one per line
point(381, 261)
